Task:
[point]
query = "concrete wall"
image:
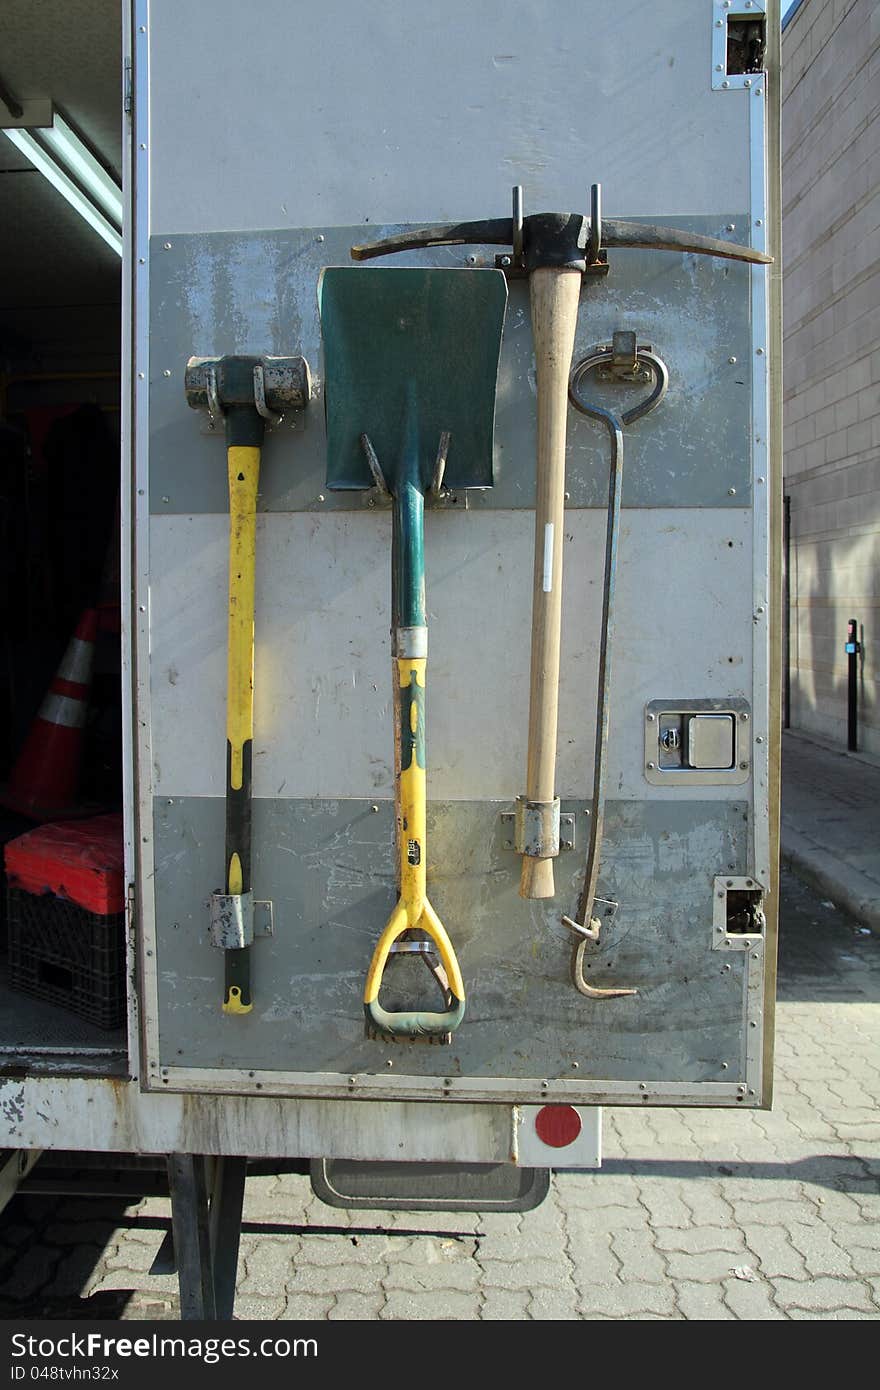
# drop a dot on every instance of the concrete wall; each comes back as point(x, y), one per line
point(831, 210)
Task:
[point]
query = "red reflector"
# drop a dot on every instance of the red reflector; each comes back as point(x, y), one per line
point(557, 1125)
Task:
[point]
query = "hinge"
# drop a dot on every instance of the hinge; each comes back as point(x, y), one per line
point(127, 89)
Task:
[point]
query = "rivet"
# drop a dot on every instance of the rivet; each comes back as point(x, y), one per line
point(567, 844)
point(575, 1066)
point(744, 718)
point(143, 147)
point(759, 222)
point(760, 478)
point(566, 496)
point(732, 361)
point(651, 767)
point(143, 28)
point(731, 227)
point(545, 1085)
point(721, 895)
point(651, 718)
point(726, 969)
point(142, 608)
point(748, 82)
point(471, 260)
point(374, 809)
point(725, 84)
point(389, 1063)
point(759, 352)
point(149, 953)
point(320, 237)
point(719, 67)
point(166, 499)
point(730, 883)
point(140, 376)
point(743, 767)
point(760, 608)
point(759, 739)
point(447, 1081)
point(754, 955)
point(719, 24)
point(166, 372)
point(758, 91)
point(753, 1024)
point(725, 1065)
point(506, 261)
point(352, 1081)
point(142, 260)
point(731, 492)
point(168, 246)
point(643, 1086)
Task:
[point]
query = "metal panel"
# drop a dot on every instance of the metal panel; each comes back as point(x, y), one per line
point(322, 682)
point(405, 111)
point(257, 293)
point(329, 869)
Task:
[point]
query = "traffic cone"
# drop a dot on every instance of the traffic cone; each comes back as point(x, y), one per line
point(44, 781)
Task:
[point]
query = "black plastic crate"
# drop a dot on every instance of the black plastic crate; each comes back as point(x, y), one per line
point(68, 956)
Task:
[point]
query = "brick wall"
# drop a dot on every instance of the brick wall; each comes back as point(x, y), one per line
point(831, 297)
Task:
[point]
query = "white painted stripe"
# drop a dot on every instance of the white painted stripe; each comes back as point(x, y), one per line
point(63, 709)
point(548, 557)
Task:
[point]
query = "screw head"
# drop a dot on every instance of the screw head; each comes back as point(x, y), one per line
point(725, 84)
point(168, 246)
point(732, 361)
point(651, 718)
point(166, 372)
point(731, 492)
point(651, 767)
point(320, 237)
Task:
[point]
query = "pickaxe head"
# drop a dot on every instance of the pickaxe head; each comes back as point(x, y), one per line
point(559, 240)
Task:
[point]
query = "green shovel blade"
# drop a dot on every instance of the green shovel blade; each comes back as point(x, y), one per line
point(398, 337)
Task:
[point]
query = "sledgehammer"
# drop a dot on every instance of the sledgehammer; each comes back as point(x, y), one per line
point(246, 392)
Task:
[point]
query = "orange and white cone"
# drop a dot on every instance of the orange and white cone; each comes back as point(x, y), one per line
point(44, 781)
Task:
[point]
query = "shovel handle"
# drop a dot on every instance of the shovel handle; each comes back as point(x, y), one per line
point(554, 296)
point(414, 1023)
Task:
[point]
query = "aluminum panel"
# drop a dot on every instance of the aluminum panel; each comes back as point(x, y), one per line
point(323, 716)
point(328, 866)
point(405, 111)
point(223, 293)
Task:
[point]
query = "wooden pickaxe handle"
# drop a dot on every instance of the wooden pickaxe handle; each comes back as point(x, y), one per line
point(554, 296)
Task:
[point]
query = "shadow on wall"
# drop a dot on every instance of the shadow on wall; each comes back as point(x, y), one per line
point(832, 580)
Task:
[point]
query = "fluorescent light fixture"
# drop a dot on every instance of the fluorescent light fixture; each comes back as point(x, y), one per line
point(82, 164)
point(64, 145)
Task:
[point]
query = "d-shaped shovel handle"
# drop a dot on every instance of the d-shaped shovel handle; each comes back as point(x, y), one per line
point(414, 1023)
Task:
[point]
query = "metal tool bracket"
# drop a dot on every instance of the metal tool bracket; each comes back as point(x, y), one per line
point(537, 828)
point(237, 918)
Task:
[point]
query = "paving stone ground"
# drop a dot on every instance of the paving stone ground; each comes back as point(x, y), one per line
point(696, 1214)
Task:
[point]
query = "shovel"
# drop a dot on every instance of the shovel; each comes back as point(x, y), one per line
point(411, 364)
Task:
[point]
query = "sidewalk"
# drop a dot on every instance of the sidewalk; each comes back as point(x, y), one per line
point(830, 830)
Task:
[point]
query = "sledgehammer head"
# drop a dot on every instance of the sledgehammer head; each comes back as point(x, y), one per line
point(268, 385)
